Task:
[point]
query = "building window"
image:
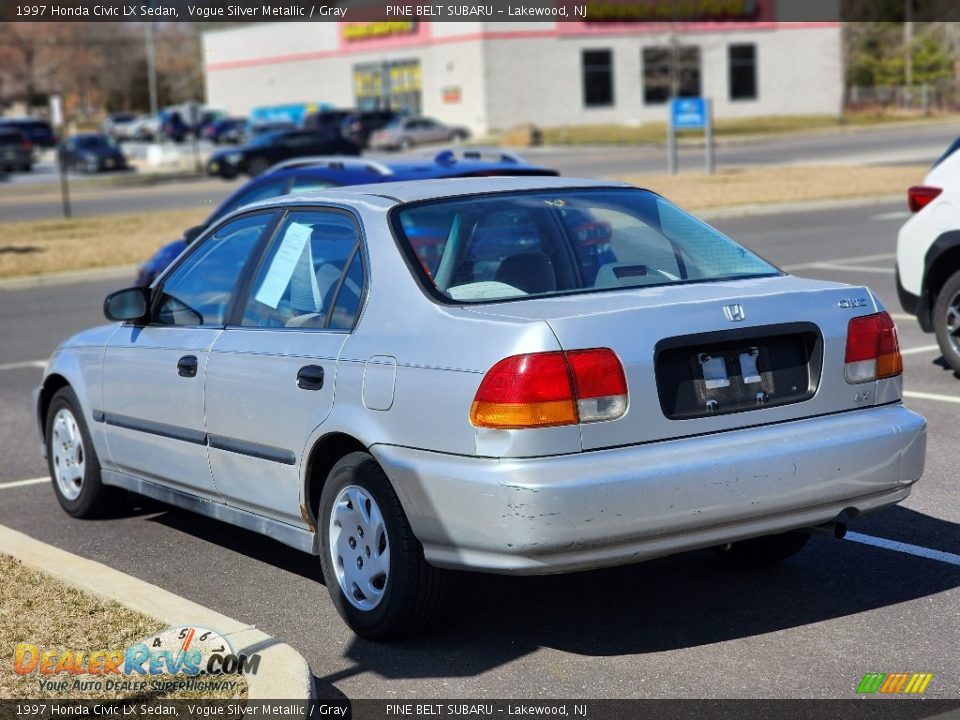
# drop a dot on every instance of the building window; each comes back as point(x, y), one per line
point(743, 72)
point(661, 74)
point(597, 78)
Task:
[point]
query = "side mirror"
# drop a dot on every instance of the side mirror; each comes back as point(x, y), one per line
point(128, 305)
point(191, 234)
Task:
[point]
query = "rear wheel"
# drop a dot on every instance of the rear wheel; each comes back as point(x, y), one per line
point(373, 565)
point(764, 550)
point(73, 463)
point(946, 320)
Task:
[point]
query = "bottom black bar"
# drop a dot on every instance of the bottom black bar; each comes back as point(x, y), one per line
point(863, 708)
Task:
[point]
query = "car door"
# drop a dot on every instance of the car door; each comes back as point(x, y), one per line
point(271, 373)
point(434, 131)
point(152, 402)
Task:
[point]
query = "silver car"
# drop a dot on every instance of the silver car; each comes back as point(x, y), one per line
point(511, 375)
point(406, 132)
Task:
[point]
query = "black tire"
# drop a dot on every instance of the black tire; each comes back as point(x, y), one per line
point(257, 166)
point(412, 587)
point(946, 320)
point(765, 550)
point(94, 499)
point(26, 167)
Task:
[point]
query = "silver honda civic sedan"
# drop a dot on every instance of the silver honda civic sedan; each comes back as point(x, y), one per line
point(511, 375)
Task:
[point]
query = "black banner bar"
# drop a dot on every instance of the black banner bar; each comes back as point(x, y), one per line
point(853, 709)
point(590, 11)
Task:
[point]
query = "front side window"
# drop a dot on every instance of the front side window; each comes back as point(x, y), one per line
point(597, 78)
point(515, 245)
point(312, 275)
point(199, 290)
point(743, 72)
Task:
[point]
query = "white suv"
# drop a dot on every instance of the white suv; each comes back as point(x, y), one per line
point(928, 254)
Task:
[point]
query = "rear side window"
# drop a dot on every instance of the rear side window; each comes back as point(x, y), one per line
point(312, 276)
point(502, 246)
point(954, 146)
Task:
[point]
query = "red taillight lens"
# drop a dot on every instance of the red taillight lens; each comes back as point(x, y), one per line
point(25, 144)
point(873, 351)
point(600, 385)
point(551, 388)
point(919, 196)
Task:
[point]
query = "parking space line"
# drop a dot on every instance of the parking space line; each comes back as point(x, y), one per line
point(922, 349)
point(930, 396)
point(23, 364)
point(919, 551)
point(850, 268)
point(23, 483)
point(895, 215)
point(840, 261)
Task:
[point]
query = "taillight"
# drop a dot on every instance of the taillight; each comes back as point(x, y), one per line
point(873, 351)
point(25, 144)
point(919, 196)
point(551, 388)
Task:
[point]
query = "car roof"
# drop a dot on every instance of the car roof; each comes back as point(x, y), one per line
point(416, 190)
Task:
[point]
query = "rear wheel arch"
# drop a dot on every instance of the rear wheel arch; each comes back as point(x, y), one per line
point(325, 453)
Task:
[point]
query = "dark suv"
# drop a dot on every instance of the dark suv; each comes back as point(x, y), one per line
point(359, 126)
point(16, 150)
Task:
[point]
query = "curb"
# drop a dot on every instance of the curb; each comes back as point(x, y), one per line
point(114, 272)
point(283, 675)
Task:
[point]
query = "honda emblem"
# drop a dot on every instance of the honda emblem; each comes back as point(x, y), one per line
point(734, 312)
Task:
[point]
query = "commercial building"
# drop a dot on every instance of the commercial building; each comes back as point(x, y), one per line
point(493, 75)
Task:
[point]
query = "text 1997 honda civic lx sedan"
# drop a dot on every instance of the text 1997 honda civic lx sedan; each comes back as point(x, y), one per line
point(452, 374)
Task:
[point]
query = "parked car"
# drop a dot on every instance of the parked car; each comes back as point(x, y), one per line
point(928, 255)
point(405, 132)
point(92, 152)
point(302, 372)
point(173, 126)
point(16, 150)
point(145, 128)
point(359, 126)
point(255, 129)
point(119, 126)
point(229, 130)
point(327, 120)
point(39, 132)
point(270, 148)
point(314, 173)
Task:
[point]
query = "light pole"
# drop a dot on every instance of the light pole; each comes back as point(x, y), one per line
point(151, 67)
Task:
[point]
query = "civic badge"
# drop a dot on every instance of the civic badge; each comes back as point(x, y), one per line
point(734, 312)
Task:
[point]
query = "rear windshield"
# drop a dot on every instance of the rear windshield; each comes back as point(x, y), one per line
point(947, 153)
point(503, 246)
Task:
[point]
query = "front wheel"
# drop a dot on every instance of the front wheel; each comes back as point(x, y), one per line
point(946, 320)
point(764, 550)
point(73, 463)
point(372, 564)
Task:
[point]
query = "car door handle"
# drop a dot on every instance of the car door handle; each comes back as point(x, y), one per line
point(187, 366)
point(310, 377)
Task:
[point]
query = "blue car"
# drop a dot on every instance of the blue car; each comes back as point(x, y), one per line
point(305, 174)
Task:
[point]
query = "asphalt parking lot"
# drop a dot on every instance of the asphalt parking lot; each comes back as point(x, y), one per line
point(686, 626)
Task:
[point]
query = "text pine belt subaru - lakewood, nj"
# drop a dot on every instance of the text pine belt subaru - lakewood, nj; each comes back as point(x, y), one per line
point(512, 375)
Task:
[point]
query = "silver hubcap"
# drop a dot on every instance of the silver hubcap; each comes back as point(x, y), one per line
point(953, 322)
point(359, 551)
point(69, 458)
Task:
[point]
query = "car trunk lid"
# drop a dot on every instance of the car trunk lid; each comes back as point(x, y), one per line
point(709, 357)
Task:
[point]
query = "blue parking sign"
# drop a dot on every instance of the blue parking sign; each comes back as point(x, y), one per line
point(688, 113)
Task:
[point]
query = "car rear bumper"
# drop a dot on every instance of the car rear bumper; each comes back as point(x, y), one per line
point(622, 505)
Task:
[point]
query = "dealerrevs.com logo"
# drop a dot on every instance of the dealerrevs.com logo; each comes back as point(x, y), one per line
point(894, 683)
point(187, 653)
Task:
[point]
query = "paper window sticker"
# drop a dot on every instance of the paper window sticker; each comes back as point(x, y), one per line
point(283, 265)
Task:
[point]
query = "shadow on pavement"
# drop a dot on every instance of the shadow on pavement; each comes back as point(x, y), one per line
point(672, 603)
